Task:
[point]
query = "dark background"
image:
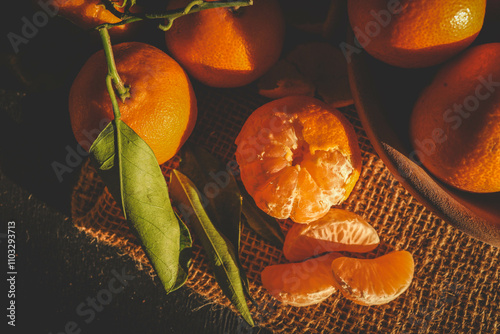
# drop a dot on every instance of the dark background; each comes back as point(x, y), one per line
point(58, 267)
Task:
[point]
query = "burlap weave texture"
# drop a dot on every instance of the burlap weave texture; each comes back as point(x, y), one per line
point(455, 288)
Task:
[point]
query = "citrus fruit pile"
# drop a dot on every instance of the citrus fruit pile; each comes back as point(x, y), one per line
point(162, 110)
point(298, 155)
point(454, 127)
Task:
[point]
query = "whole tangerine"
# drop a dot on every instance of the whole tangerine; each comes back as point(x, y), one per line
point(88, 14)
point(162, 106)
point(224, 47)
point(298, 156)
point(415, 33)
point(455, 124)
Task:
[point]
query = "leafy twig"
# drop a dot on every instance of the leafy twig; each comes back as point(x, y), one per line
point(123, 91)
point(193, 7)
point(114, 77)
point(130, 170)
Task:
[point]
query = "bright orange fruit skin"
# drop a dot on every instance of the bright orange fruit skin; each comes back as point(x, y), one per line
point(415, 33)
point(162, 108)
point(298, 157)
point(88, 14)
point(339, 230)
point(301, 284)
point(455, 124)
point(223, 48)
point(374, 281)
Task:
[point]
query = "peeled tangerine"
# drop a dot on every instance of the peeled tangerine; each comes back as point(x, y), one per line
point(373, 281)
point(298, 157)
point(301, 284)
point(339, 230)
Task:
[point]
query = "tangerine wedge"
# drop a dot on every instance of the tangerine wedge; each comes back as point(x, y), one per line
point(298, 156)
point(301, 284)
point(339, 230)
point(374, 281)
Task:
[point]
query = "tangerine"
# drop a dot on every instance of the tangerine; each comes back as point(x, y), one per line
point(161, 109)
point(339, 230)
point(298, 156)
point(227, 47)
point(411, 33)
point(88, 14)
point(455, 124)
point(301, 284)
point(373, 281)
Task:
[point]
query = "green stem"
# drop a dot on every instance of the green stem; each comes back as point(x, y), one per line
point(193, 7)
point(127, 4)
point(122, 90)
point(111, 82)
point(112, 96)
point(118, 138)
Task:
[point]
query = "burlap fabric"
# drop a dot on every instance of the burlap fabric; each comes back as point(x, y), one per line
point(455, 288)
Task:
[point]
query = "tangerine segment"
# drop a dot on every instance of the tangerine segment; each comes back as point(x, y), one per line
point(305, 137)
point(339, 230)
point(374, 281)
point(301, 284)
point(279, 193)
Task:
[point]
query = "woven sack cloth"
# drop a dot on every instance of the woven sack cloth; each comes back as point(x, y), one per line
point(455, 287)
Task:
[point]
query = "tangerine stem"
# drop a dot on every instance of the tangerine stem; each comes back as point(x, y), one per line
point(193, 7)
point(112, 96)
point(123, 91)
point(112, 78)
point(127, 4)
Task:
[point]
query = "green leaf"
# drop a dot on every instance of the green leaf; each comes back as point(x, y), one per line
point(135, 180)
point(185, 256)
point(218, 187)
point(220, 251)
point(264, 225)
point(221, 195)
